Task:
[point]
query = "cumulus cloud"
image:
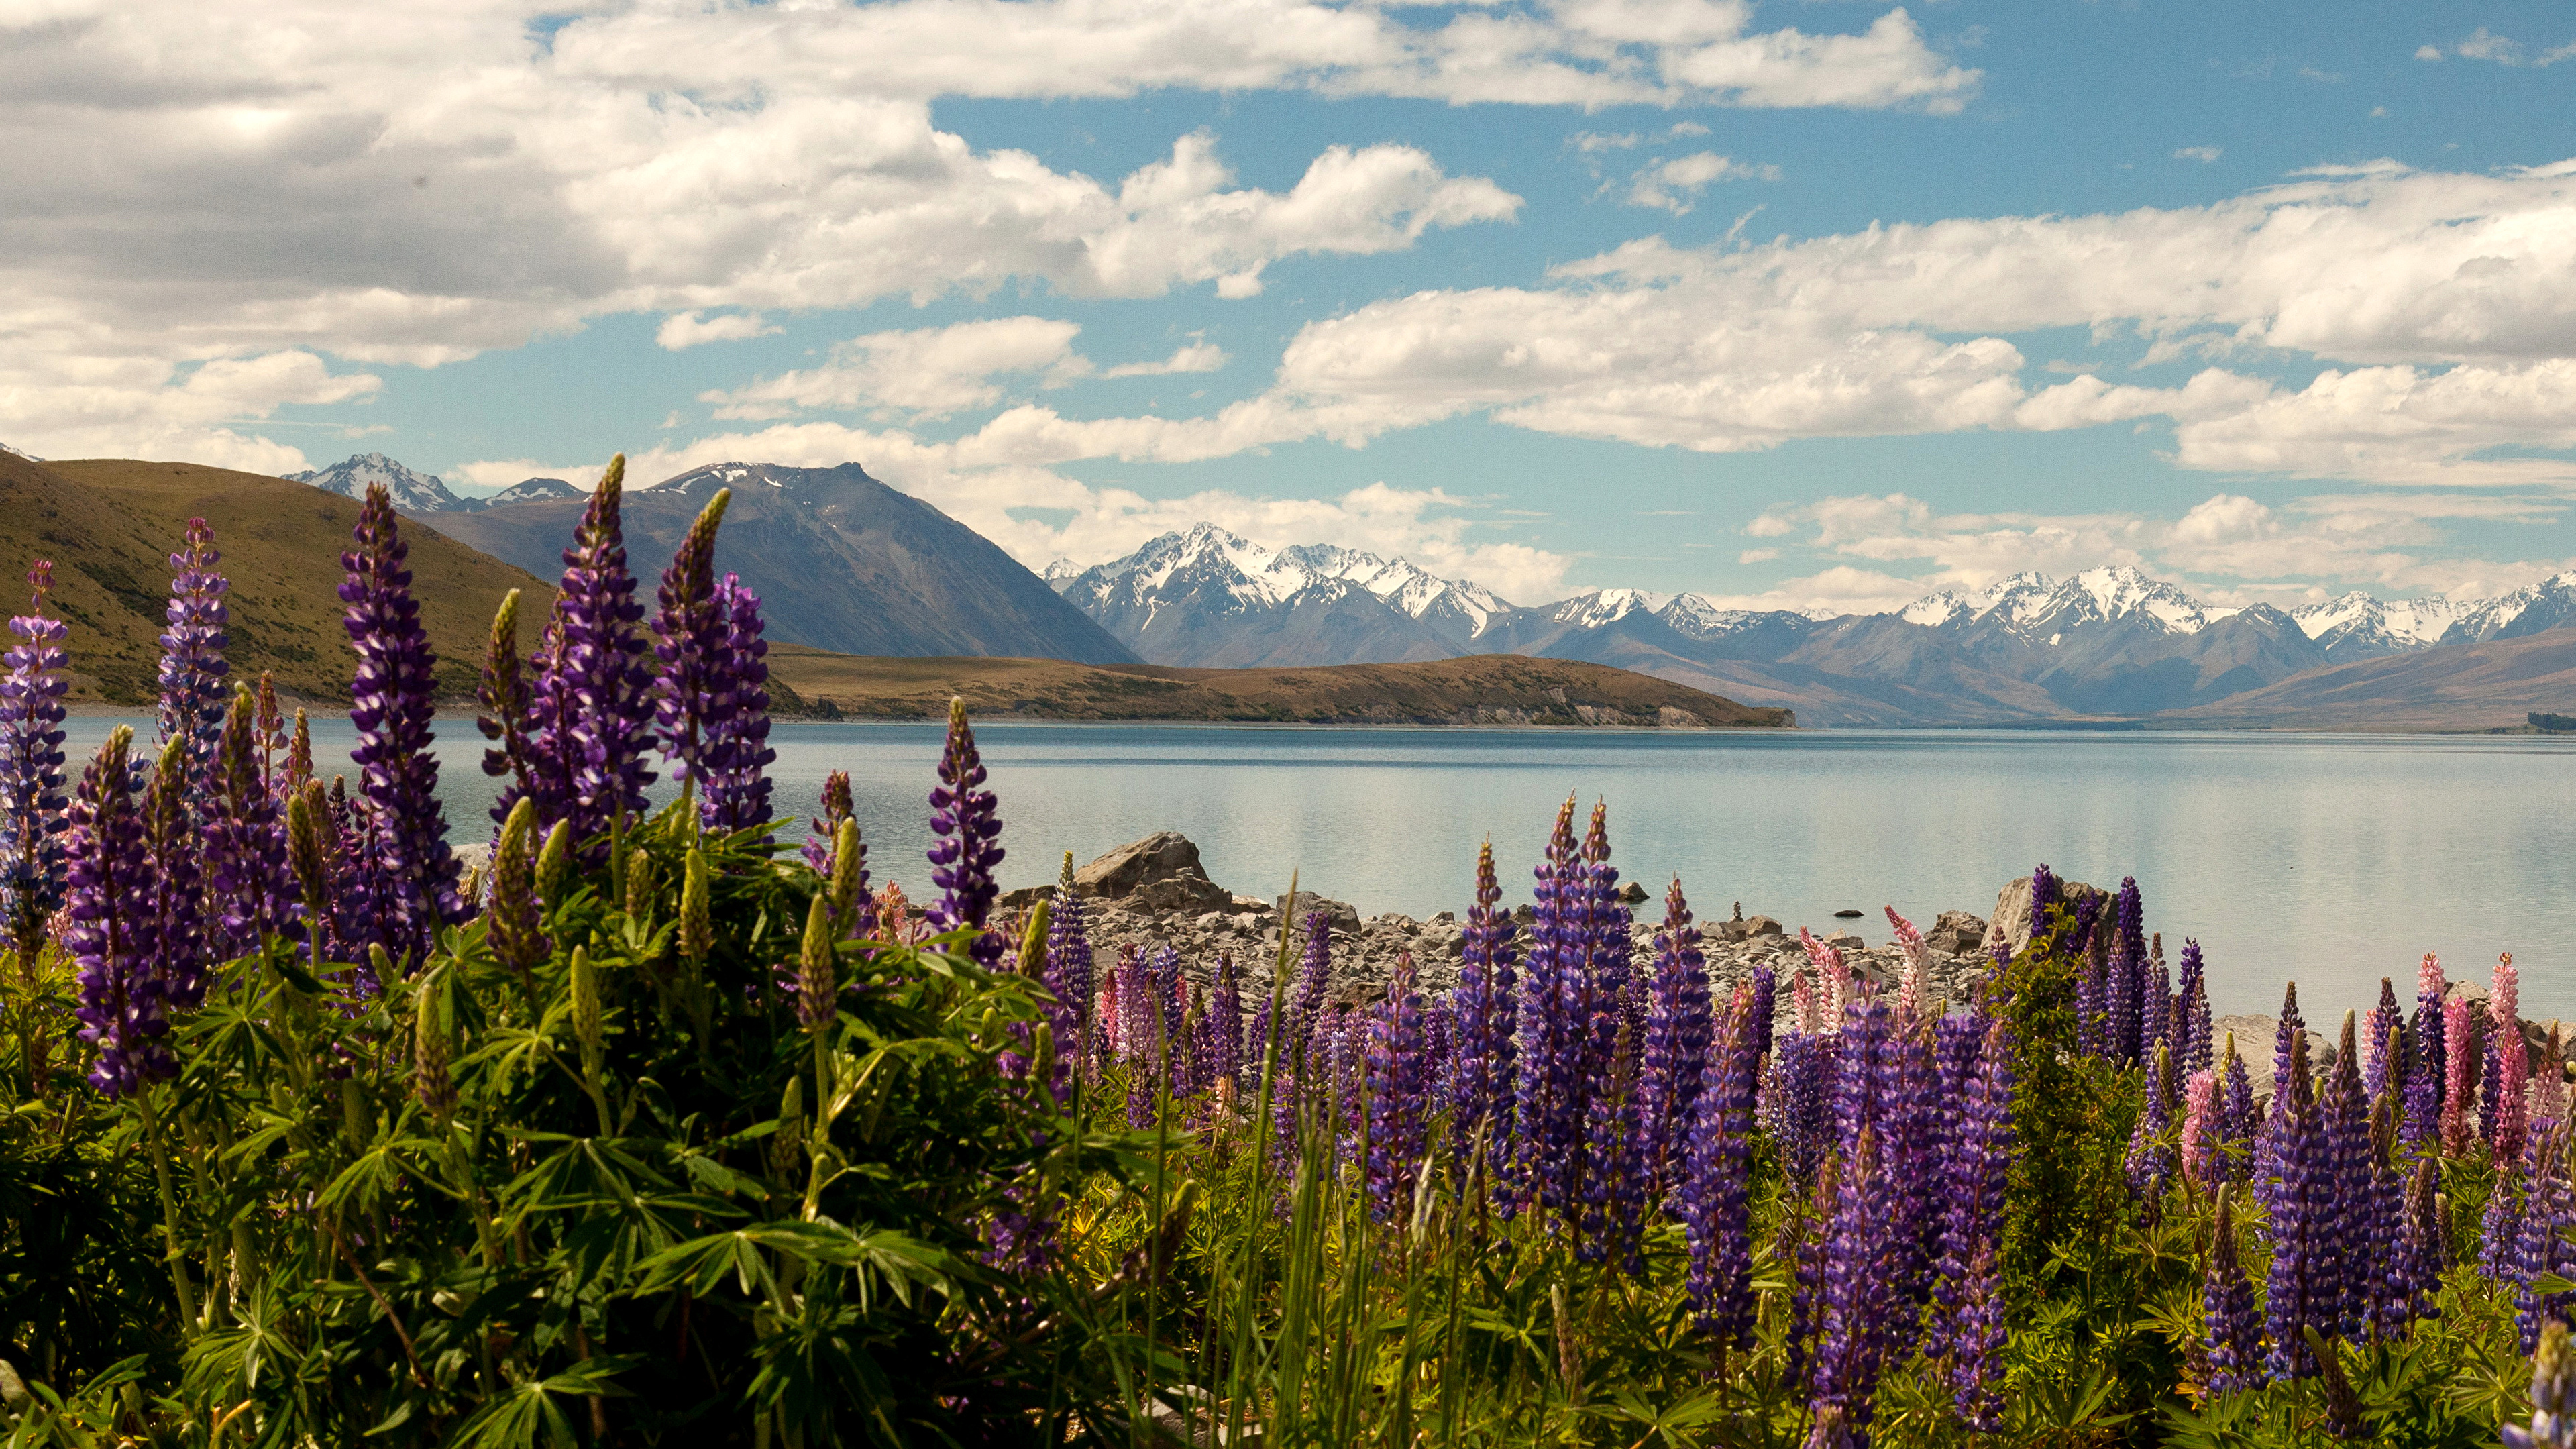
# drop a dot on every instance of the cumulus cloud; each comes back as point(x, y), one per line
point(687, 329)
point(1193, 357)
point(416, 183)
point(1589, 53)
point(1674, 182)
point(929, 372)
point(2199, 153)
point(2484, 44)
point(2235, 549)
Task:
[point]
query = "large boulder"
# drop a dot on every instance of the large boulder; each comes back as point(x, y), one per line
point(2010, 923)
point(1956, 933)
point(1159, 856)
point(1340, 915)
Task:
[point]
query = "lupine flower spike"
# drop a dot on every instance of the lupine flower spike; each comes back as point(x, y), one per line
point(2227, 1303)
point(965, 851)
point(1918, 957)
point(1481, 1082)
point(1676, 1045)
point(114, 936)
point(192, 648)
point(2503, 1038)
point(392, 698)
point(2553, 1395)
point(593, 696)
point(505, 699)
point(32, 805)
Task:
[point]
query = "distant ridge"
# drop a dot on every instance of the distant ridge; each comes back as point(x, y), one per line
point(841, 562)
point(411, 492)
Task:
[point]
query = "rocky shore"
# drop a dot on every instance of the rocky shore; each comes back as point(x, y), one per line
point(1155, 892)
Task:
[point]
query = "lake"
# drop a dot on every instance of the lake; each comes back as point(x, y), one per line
point(2331, 859)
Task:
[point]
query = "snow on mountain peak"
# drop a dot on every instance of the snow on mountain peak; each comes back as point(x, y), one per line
point(412, 492)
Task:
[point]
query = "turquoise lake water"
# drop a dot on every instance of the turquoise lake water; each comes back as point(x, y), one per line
point(2331, 859)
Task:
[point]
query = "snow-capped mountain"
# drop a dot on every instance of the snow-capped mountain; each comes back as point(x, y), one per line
point(19, 453)
point(1209, 597)
point(412, 492)
point(527, 490)
point(2358, 626)
point(2033, 607)
point(2544, 605)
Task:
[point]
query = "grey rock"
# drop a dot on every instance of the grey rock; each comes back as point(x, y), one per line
point(1158, 856)
point(1339, 915)
point(1761, 926)
point(1956, 932)
point(2011, 920)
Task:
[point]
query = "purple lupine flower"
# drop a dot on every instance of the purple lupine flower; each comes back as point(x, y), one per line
point(1613, 1186)
point(1163, 979)
point(1068, 967)
point(249, 880)
point(2043, 894)
point(32, 807)
point(1398, 1095)
point(1546, 1108)
point(2548, 1211)
point(2227, 1304)
point(1861, 1085)
point(1765, 996)
point(1915, 1131)
point(2429, 1071)
point(2290, 1028)
point(392, 697)
point(1976, 1162)
point(2301, 1202)
point(113, 935)
point(2500, 1231)
point(2236, 1121)
point(2504, 1033)
point(2092, 1017)
point(1225, 1023)
point(1798, 1103)
point(1482, 1079)
point(737, 752)
point(2424, 1248)
point(594, 695)
point(963, 856)
point(2553, 1395)
point(192, 648)
point(1676, 1044)
point(2150, 1164)
point(2128, 974)
point(1600, 983)
point(2194, 1043)
point(836, 808)
point(2385, 1302)
point(2156, 1000)
point(1306, 993)
point(1713, 1201)
point(178, 886)
point(2349, 1225)
point(1861, 1302)
point(690, 639)
point(2387, 1066)
point(2513, 1109)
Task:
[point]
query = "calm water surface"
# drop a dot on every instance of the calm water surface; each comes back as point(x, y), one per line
point(2331, 859)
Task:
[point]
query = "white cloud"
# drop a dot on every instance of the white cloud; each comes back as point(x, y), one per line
point(2428, 52)
point(929, 372)
point(2484, 44)
point(1193, 357)
point(1674, 182)
point(687, 329)
point(2199, 153)
point(145, 407)
point(2234, 549)
point(1589, 53)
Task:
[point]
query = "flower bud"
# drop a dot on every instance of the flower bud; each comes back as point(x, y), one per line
point(697, 919)
point(518, 937)
point(816, 992)
point(639, 886)
point(554, 865)
point(299, 753)
point(849, 868)
point(432, 1048)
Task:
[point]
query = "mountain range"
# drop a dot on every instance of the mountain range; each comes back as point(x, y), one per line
point(841, 562)
point(2109, 642)
point(416, 493)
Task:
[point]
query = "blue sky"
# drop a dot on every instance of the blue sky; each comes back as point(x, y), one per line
point(1817, 305)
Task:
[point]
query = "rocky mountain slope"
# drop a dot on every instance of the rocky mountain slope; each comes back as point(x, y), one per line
point(412, 492)
point(841, 562)
point(110, 525)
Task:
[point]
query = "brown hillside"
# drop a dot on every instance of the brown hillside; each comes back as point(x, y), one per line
point(110, 524)
point(1505, 689)
point(2449, 687)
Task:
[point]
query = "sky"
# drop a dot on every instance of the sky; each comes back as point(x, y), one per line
point(1807, 303)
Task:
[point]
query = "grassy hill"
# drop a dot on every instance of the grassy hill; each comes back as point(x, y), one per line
point(1483, 689)
point(110, 525)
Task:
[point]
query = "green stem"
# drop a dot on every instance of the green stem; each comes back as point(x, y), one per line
point(178, 1255)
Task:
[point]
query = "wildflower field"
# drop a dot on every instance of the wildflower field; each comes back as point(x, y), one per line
point(665, 1127)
